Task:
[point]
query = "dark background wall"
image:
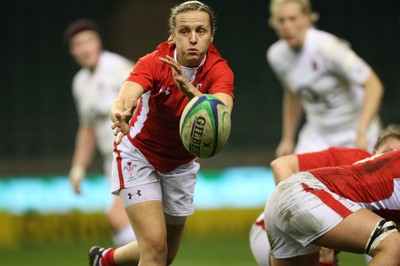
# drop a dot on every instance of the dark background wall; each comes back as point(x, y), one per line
point(38, 118)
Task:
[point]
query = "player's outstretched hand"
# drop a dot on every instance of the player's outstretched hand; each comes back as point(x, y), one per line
point(76, 175)
point(284, 148)
point(121, 126)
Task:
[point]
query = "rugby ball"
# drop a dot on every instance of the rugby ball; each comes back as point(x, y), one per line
point(205, 125)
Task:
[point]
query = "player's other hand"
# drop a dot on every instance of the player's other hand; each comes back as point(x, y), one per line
point(121, 126)
point(76, 175)
point(361, 142)
point(178, 74)
point(284, 148)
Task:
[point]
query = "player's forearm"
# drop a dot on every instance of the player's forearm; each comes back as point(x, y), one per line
point(289, 127)
point(226, 99)
point(116, 107)
point(129, 92)
point(292, 112)
point(373, 94)
point(85, 146)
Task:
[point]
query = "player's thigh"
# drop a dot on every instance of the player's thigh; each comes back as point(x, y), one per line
point(391, 247)
point(352, 233)
point(148, 222)
point(178, 192)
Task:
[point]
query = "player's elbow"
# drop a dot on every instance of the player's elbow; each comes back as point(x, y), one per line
point(283, 167)
point(276, 168)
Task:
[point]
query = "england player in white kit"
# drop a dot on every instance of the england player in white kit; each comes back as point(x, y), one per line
point(339, 93)
point(93, 93)
point(94, 87)
point(328, 79)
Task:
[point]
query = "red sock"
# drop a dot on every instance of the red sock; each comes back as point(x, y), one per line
point(323, 263)
point(108, 258)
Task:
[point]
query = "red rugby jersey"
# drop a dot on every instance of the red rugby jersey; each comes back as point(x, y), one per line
point(333, 156)
point(155, 123)
point(373, 182)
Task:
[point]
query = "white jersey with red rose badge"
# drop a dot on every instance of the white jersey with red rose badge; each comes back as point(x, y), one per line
point(328, 77)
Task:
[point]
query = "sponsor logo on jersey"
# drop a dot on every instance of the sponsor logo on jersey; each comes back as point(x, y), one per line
point(198, 85)
point(165, 91)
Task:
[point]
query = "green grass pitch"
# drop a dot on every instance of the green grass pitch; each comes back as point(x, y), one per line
point(198, 251)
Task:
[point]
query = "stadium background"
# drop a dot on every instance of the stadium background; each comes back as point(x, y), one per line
point(38, 114)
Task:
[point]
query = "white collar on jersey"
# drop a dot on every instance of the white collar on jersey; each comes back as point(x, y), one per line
point(190, 72)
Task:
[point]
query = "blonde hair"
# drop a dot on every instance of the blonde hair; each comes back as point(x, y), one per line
point(305, 7)
point(391, 131)
point(191, 6)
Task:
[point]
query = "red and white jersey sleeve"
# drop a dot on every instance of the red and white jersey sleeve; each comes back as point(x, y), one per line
point(155, 124)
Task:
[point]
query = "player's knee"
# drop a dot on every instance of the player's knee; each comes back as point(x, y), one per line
point(395, 246)
point(391, 242)
point(384, 238)
point(155, 250)
point(395, 243)
point(389, 249)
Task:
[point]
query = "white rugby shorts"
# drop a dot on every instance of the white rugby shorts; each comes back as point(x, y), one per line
point(136, 180)
point(300, 210)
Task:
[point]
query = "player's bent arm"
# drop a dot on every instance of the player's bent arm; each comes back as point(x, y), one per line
point(129, 92)
point(283, 167)
point(226, 99)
